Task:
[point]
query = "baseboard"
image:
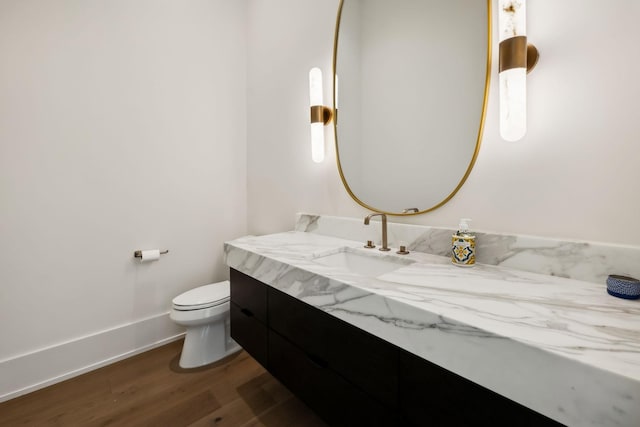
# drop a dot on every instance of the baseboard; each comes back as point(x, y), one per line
point(38, 369)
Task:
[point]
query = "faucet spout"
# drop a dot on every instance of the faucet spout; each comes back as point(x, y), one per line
point(384, 228)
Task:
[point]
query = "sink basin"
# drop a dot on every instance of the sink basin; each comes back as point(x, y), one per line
point(366, 265)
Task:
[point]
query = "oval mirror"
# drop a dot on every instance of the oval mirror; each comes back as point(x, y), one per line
point(411, 80)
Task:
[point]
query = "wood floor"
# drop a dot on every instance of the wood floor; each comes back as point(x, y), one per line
point(151, 390)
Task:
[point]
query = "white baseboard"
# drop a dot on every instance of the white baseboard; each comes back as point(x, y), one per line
point(38, 369)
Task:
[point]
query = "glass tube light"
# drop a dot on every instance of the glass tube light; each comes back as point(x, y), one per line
point(513, 69)
point(317, 123)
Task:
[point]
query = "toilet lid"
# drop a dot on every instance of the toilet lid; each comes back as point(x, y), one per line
point(203, 297)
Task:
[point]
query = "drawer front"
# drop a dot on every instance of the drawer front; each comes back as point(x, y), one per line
point(249, 294)
point(251, 334)
point(365, 360)
point(298, 322)
point(432, 395)
point(337, 401)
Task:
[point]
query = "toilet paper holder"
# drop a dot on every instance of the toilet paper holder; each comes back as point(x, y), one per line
point(138, 254)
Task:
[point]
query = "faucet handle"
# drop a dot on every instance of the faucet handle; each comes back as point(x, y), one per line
point(369, 244)
point(402, 250)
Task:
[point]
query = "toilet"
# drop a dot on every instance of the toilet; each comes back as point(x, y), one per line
point(204, 311)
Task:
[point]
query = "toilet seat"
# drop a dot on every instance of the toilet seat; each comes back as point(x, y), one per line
point(203, 297)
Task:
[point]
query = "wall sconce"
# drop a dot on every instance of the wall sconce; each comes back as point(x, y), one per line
point(517, 58)
point(320, 115)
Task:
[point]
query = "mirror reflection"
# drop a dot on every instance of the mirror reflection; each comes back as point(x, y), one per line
point(410, 99)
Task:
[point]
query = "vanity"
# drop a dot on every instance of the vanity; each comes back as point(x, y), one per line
point(351, 377)
point(368, 338)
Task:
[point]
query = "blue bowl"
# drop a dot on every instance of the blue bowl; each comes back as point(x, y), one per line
point(623, 287)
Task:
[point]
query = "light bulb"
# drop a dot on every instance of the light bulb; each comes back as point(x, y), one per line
point(513, 77)
point(317, 124)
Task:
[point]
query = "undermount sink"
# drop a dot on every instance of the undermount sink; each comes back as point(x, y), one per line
point(366, 265)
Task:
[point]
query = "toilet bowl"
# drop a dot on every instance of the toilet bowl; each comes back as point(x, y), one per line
point(204, 311)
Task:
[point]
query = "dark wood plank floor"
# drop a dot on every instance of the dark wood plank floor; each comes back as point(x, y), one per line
point(150, 389)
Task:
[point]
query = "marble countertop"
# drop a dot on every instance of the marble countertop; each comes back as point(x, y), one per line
point(562, 347)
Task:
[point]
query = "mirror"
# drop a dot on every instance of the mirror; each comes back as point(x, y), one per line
point(411, 79)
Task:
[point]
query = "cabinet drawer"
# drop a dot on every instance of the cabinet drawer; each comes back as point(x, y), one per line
point(431, 395)
point(365, 360)
point(337, 401)
point(249, 294)
point(299, 322)
point(251, 334)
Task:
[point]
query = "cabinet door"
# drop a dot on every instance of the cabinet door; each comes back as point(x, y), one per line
point(431, 395)
point(336, 400)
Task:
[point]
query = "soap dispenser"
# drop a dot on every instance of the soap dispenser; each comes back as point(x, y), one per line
point(463, 245)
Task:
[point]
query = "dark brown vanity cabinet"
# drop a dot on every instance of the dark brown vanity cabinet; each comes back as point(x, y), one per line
point(352, 378)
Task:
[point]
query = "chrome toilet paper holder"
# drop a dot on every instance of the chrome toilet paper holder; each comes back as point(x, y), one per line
point(138, 253)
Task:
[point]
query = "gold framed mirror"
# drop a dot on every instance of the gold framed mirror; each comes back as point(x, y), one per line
point(411, 81)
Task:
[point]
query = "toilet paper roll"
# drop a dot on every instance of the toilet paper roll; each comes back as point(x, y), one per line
point(150, 255)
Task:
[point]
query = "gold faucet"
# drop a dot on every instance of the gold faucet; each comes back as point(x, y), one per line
point(384, 228)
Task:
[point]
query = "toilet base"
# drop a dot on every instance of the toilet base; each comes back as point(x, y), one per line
point(207, 344)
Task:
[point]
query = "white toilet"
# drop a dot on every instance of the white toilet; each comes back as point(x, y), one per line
point(204, 311)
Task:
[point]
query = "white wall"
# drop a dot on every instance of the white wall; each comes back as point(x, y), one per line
point(574, 175)
point(286, 39)
point(122, 127)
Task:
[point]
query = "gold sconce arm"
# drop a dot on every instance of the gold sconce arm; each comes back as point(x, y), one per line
point(515, 52)
point(321, 114)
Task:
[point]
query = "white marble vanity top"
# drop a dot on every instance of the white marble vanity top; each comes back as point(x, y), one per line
point(562, 347)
